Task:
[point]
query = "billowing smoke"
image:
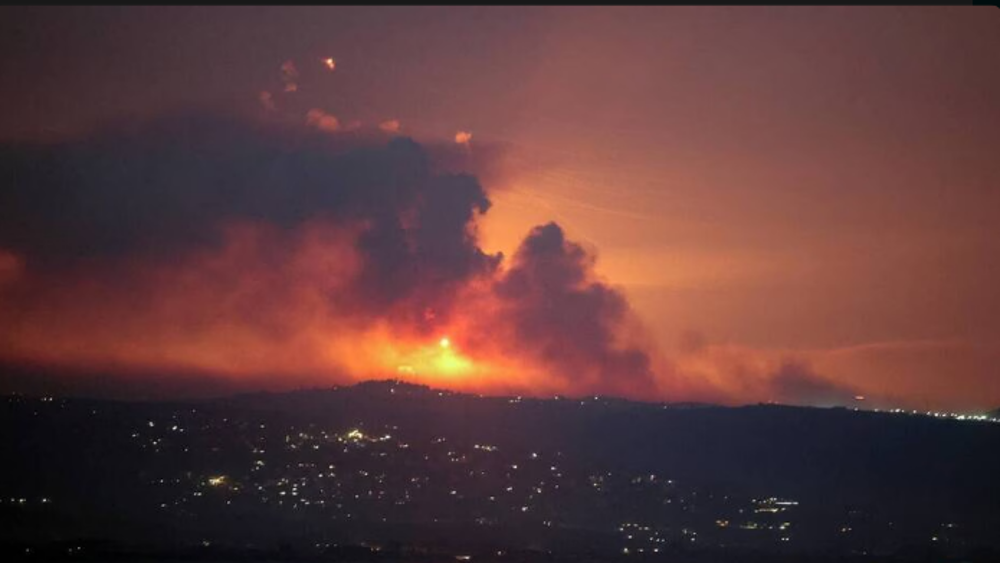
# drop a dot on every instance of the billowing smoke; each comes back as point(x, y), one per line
point(569, 320)
point(278, 253)
point(253, 238)
point(172, 186)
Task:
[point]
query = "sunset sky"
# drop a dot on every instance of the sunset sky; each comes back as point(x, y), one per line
point(798, 204)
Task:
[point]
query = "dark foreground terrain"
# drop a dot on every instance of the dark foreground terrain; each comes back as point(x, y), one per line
point(386, 471)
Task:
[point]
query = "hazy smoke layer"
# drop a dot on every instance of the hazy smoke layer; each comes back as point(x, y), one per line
point(282, 254)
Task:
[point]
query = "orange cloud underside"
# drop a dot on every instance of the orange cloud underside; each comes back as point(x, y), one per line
point(273, 308)
point(250, 311)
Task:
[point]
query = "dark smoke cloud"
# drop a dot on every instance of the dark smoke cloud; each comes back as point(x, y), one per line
point(166, 187)
point(120, 234)
point(163, 191)
point(571, 321)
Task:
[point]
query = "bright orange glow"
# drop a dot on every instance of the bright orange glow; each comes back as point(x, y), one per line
point(231, 314)
point(330, 63)
point(279, 324)
point(429, 361)
point(273, 309)
point(239, 314)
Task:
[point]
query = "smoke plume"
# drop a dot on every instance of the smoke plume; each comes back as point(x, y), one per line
point(222, 244)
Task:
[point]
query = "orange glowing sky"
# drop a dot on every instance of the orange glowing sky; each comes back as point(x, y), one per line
point(766, 185)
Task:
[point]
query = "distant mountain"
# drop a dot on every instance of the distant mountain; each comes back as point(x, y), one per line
point(397, 389)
